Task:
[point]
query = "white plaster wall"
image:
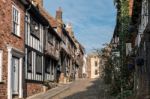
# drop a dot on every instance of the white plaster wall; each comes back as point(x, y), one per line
point(84, 68)
point(93, 67)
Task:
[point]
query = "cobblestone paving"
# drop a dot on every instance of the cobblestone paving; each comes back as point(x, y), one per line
point(85, 89)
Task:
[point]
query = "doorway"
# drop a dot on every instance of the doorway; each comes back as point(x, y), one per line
point(15, 75)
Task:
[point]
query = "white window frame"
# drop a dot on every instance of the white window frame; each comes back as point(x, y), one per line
point(1, 65)
point(18, 24)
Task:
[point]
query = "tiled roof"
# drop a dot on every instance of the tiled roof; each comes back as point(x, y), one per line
point(51, 20)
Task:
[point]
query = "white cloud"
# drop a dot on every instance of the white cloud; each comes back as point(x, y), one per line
point(93, 21)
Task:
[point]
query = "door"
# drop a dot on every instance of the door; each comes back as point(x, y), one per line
point(15, 75)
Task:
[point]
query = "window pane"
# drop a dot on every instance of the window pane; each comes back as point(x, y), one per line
point(15, 18)
point(95, 63)
point(35, 28)
point(52, 67)
point(29, 61)
point(13, 14)
point(13, 27)
point(50, 38)
point(38, 64)
point(96, 72)
point(47, 66)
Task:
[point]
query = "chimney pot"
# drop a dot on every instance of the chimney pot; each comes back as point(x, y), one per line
point(59, 14)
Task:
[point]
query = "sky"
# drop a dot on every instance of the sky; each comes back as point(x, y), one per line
point(93, 20)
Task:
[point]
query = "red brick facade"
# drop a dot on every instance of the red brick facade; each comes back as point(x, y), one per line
point(130, 7)
point(7, 38)
point(33, 88)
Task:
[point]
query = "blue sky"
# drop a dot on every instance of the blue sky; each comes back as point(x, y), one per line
point(93, 20)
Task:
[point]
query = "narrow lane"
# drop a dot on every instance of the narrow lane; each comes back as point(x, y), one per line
point(85, 89)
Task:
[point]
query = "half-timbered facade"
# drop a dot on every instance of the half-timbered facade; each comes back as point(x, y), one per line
point(52, 42)
point(52, 49)
point(141, 22)
point(35, 30)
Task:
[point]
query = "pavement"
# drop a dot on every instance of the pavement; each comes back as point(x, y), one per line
point(85, 89)
point(79, 89)
point(51, 93)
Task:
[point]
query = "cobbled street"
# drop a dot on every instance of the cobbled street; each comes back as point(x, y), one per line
point(85, 89)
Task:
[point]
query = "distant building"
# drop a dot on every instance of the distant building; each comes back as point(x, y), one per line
point(84, 68)
point(93, 66)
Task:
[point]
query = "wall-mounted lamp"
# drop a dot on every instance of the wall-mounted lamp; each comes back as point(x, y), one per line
point(36, 27)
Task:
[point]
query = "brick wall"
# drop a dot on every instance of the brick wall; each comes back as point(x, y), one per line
point(33, 88)
point(3, 93)
point(130, 7)
point(7, 38)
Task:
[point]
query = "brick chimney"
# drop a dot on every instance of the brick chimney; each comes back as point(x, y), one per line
point(37, 2)
point(130, 7)
point(59, 14)
point(59, 20)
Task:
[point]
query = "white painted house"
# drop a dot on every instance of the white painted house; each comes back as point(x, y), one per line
point(93, 63)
